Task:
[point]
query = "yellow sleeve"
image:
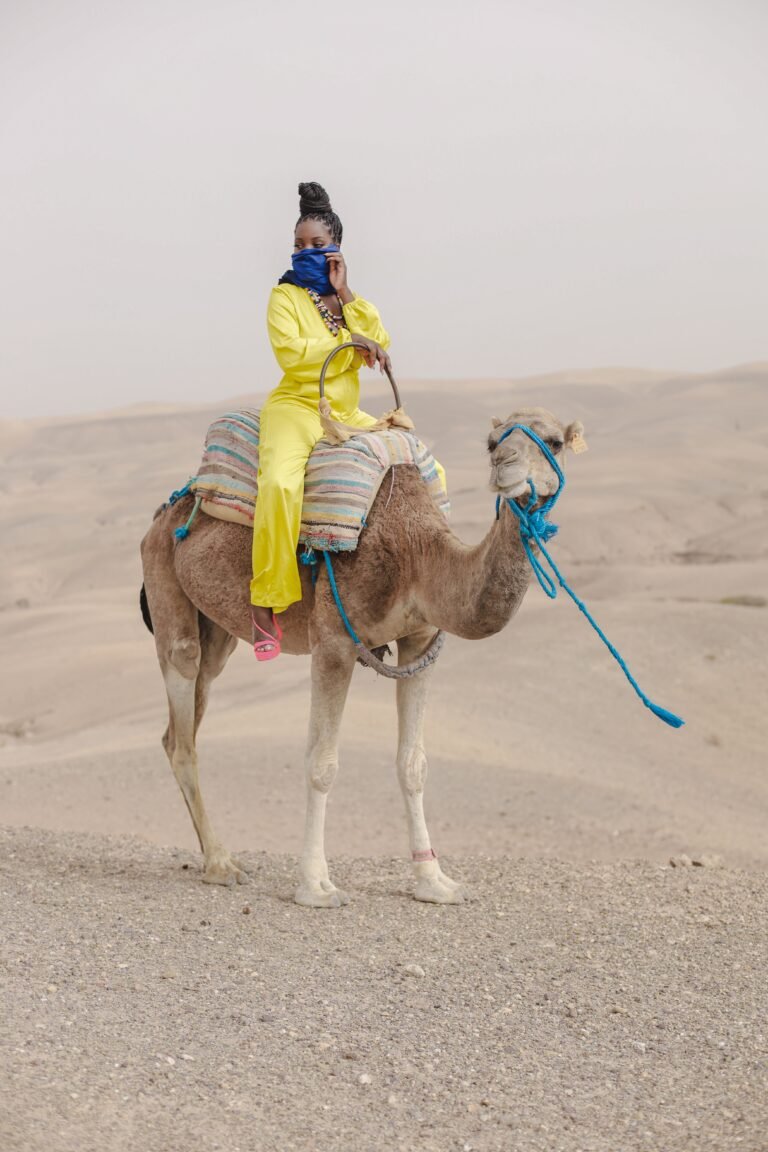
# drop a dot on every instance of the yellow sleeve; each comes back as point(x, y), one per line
point(302, 357)
point(361, 316)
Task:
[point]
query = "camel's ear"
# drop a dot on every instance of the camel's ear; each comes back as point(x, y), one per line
point(493, 440)
point(574, 437)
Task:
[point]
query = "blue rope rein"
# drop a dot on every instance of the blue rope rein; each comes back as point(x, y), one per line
point(535, 529)
point(345, 619)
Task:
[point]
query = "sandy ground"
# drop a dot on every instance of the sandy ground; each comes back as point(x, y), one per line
point(612, 1006)
point(589, 997)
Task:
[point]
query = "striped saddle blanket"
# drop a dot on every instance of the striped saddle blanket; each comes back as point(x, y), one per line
point(340, 486)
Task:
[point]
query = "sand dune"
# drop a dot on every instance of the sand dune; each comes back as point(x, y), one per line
point(663, 531)
point(552, 789)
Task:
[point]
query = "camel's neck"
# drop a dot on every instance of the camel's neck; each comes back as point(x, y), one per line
point(475, 592)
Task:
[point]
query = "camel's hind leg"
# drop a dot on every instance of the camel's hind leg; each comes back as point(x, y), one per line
point(191, 651)
point(432, 885)
point(188, 671)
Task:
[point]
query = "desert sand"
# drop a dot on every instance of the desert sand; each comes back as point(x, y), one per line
point(591, 996)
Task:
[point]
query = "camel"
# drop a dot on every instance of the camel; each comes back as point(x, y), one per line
point(409, 577)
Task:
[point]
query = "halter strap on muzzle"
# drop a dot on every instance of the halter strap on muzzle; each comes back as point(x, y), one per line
point(549, 455)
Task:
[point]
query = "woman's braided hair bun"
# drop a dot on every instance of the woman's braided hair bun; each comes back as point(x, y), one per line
point(313, 199)
point(315, 204)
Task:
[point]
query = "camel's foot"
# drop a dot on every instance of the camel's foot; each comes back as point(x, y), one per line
point(322, 894)
point(225, 870)
point(446, 880)
point(439, 889)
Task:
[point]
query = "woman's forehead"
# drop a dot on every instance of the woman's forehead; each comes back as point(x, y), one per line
point(312, 230)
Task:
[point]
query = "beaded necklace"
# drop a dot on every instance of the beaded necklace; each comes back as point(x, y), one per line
point(333, 323)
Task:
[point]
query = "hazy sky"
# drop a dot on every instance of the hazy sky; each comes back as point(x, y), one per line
point(525, 185)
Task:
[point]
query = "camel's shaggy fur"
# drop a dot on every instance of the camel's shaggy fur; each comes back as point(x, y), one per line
point(409, 576)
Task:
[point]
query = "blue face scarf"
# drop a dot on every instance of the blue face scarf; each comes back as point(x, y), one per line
point(310, 270)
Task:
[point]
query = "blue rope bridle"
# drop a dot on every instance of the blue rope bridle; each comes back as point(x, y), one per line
point(535, 529)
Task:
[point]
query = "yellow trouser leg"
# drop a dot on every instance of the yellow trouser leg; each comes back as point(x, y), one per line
point(289, 432)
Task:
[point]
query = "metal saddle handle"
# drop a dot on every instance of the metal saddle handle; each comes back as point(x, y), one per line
point(362, 347)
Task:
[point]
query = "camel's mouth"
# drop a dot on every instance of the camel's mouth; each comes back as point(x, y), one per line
point(523, 499)
point(521, 495)
point(509, 480)
point(517, 491)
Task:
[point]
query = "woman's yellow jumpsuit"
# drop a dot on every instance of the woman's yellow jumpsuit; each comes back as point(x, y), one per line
point(290, 427)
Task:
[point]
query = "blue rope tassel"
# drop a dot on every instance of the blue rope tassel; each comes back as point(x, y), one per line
point(182, 532)
point(535, 528)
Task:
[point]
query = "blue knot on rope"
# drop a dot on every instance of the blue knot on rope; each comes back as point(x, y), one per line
point(536, 525)
point(309, 559)
point(533, 521)
point(181, 492)
point(536, 529)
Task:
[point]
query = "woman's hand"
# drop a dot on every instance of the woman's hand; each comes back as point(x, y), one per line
point(373, 353)
point(337, 274)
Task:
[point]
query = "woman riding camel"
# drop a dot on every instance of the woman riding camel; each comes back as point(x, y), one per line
point(311, 312)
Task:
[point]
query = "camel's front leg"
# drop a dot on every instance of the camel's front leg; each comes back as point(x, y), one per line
point(432, 885)
point(331, 674)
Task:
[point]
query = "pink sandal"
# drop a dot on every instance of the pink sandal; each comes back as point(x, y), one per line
point(269, 647)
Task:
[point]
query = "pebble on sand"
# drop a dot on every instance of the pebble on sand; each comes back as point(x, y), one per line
point(702, 860)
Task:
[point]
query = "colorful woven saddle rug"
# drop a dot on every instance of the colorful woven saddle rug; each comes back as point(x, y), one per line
point(340, 486)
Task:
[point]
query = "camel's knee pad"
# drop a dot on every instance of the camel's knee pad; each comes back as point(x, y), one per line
point(185, 657)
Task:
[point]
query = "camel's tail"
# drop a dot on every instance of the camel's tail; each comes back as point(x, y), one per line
point(145, 609)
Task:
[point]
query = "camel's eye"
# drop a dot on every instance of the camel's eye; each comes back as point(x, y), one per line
point(554, 445)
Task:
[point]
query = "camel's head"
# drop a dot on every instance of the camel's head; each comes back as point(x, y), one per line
point(517, 459)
